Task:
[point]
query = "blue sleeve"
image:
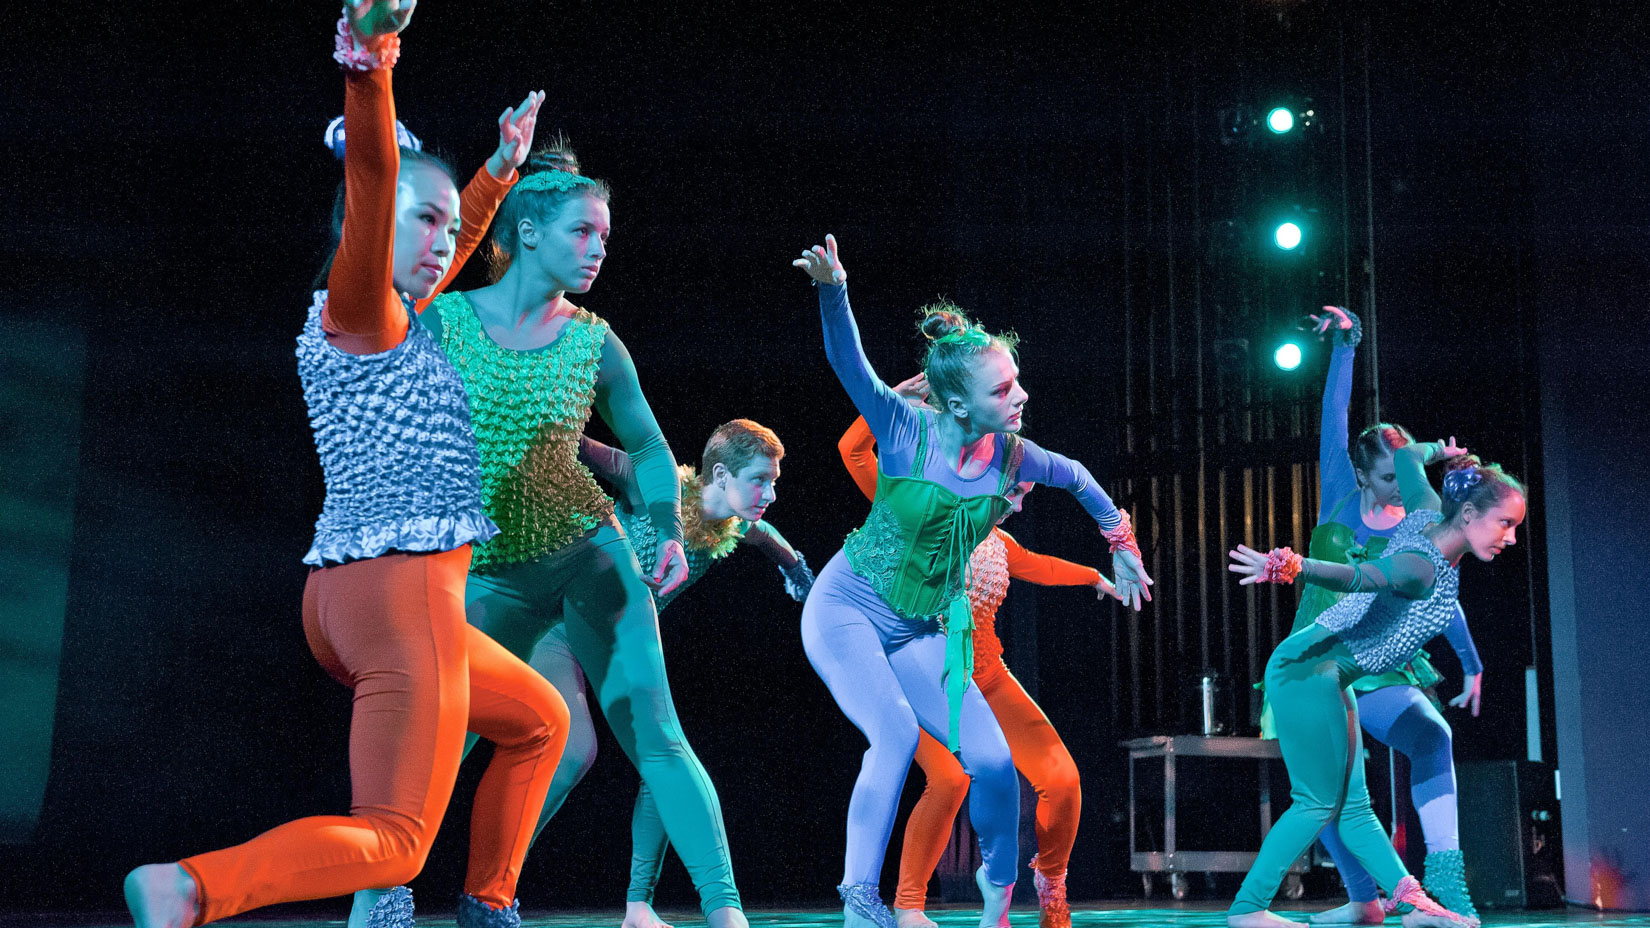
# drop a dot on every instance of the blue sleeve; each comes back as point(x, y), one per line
point(1335, 474)
point(1057, 470)
point(1460, 638)
point(891, 418)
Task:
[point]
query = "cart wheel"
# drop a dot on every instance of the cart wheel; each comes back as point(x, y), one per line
point(1146, 885)
point(1179, 886)
point(1293, 888)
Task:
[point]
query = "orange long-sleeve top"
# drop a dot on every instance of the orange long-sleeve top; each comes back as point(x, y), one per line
point(364, 313)
point(997, 559)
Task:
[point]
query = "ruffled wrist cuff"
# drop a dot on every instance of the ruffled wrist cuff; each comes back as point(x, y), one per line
point(1122, 537)
point(799, 579)
point(1283, 565)
point(352, 55)
point(1349, 338)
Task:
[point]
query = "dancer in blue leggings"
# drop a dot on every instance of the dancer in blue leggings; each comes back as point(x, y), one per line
point(887, 625)
point(1359, 509)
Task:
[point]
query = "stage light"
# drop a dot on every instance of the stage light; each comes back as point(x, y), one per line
point(1287, 357)
point(1280, 120)
point(1287, 236)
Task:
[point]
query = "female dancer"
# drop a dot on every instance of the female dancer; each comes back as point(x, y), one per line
point(1038, 752)
point(872, 625)
point(723, 503)
point(1358, 512)
point(1395, 604)
point(383, 606)
point(534, 365)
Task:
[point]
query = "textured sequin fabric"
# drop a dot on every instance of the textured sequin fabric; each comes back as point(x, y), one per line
point(988, 567)
point(644, 539)
point(1383, 630)
point(397, 452)
point(529, 408)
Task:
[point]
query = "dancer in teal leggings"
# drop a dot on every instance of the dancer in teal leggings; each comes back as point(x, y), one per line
point(1392, 607)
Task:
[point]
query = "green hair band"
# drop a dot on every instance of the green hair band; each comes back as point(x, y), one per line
point(557, 181)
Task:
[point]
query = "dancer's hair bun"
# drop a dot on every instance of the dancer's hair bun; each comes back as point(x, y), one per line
point(942, 318)
point(334, 138)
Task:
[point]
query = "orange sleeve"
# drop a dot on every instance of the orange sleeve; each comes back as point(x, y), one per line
point(856, 447)
point(1044, 569)
point(476, 206)
point(363, 314)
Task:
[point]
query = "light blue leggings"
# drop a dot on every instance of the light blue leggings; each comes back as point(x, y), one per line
point(1402, 718)
point(885, 673)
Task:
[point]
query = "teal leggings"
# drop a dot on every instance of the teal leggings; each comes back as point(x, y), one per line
point(580, 614)
point(1307, 681)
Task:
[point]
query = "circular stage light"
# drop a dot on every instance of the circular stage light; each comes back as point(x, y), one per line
point(1287, 235)
point(1287, 357)
point(1280, 120)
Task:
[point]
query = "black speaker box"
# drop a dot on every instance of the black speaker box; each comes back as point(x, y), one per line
point(1510, 834)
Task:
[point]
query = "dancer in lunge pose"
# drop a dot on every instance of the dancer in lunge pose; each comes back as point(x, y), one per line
point(1359, 509)
point(1038, 752)
point(722, 507)
point(888, 626)
point(1393, 605)
point(535, 366)
point(383, 607)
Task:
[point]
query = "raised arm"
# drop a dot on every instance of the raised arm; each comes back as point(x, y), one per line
point(892, 420)
point(364, 314)
point(1336, 478)
point(858, 449)
point(613, 466)
point(621, 404)
point(1410, 462)
point(487, 189)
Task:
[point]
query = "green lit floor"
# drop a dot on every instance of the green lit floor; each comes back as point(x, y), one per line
point(1187, 915)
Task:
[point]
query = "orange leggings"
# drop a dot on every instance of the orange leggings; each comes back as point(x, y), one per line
point(1039, 754)
point(392, 628)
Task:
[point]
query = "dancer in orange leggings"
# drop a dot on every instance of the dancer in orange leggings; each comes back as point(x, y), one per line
point(1037, 749)
point(384, 605)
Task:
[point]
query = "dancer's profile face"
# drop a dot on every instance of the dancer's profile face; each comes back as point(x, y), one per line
point(426, 228)
point(1489, 532)
point(995, 396)
point(1382, 480)
point(751, 491)
point(573, 244)
point(1016, 495)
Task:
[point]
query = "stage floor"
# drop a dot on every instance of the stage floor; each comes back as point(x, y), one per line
point(1186, 915)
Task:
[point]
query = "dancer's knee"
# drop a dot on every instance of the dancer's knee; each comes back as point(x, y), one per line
point(405, 844)
point(1060, 783)
point(947, 787)
point(894, 739)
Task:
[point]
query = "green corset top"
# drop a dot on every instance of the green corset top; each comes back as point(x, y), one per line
point(914, 548)
point(529, 408)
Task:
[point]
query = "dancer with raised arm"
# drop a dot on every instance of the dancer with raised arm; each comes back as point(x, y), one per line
point(1392, 606)
point(888, 626)
point(1038, 752)
point(535, 366)
point(383, 607)
point(1359, 509)
point(722, 507)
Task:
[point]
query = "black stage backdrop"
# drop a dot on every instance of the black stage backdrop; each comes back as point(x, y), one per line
point(1057, 171)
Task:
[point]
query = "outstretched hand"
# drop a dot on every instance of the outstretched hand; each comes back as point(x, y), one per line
point(914, 389)
point(373, 18)
point(1104, 588)
point(1332, 316)
point(515, 135)
point(822, 263)
point(1472, 692)
point(1247, 563)
point(1133, 584)
point(672, 567)
point(1446, 450)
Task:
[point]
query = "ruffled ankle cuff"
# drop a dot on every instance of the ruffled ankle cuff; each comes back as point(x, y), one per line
point(473, 913)
point(394, 909)
point(863, 900)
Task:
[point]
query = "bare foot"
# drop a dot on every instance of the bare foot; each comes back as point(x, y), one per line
point(641, 915)
point(162, 896)
point(913, 918)
point(1265, 918)
point(1353, 913)
point(726, 917)
point(997, 899)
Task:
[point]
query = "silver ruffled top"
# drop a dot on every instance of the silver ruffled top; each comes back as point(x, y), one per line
point(1384, 630)
point(397, 451)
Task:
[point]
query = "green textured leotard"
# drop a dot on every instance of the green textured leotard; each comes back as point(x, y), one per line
point(529, 408)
